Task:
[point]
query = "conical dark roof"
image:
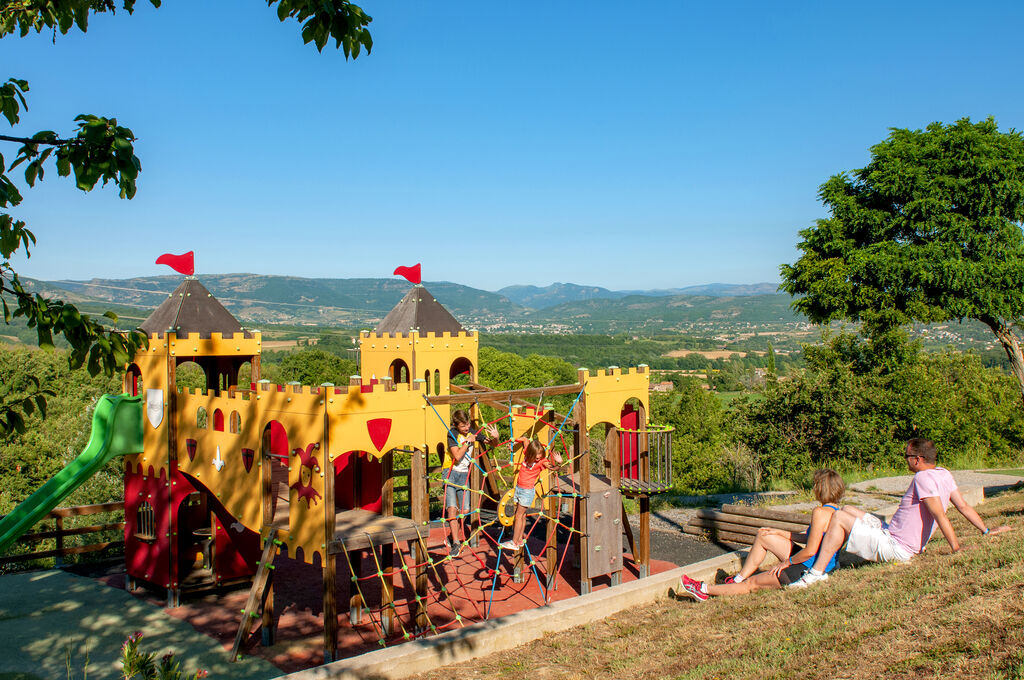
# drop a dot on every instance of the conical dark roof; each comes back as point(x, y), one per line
point(419, 311)
point(191, 309)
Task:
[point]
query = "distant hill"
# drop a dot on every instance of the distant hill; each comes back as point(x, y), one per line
point(561, 293)
point(290, 299)
point(674, 312)
point(556, 294)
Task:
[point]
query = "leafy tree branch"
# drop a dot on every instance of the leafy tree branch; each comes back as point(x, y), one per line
point(100, 151)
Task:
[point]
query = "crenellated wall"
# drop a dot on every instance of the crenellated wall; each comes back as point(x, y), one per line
point(608, 390)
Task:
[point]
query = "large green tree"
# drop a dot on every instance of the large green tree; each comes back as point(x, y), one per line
point(929, 231)
point(98, 150)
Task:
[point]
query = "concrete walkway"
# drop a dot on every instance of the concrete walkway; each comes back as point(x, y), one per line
point(50, 619)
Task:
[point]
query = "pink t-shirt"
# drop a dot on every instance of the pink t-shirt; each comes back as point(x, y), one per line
point(912, 525)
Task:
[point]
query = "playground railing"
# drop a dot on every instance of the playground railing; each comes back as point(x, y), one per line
point(52, 528)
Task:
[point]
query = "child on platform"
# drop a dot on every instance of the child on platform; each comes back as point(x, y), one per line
point(456, 491)
point(828, 489)
point(534, 462)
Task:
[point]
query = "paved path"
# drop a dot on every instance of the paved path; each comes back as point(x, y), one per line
point(47, 617)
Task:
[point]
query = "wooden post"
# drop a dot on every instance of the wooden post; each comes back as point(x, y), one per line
point(613, 456)
point(644, 544)
point(330, 560)
point(419, 508)
point(58, 525)
point(172, 467)
point(583, 442)
point(267, 619)
point(387, 554)
point(554, 502)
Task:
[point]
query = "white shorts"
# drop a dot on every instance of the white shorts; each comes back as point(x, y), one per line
point(870, 539)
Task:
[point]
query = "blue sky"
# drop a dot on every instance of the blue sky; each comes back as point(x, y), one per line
point(649, 144)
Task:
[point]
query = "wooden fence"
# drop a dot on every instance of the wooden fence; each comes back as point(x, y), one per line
point(58, 533)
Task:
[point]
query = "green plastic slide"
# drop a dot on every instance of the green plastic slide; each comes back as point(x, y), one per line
point(116, 431)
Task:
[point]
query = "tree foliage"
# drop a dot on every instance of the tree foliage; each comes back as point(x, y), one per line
point(854, 407)
point(315, 366)
point(99, 151)
point(929, 231)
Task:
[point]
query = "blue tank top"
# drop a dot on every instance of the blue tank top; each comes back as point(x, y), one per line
point(832, 562)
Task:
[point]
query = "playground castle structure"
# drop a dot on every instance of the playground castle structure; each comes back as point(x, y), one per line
point(230, 477)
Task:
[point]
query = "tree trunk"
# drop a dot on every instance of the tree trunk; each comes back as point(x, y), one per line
point(1011, 343)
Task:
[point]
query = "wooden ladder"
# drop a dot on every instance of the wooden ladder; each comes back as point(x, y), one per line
point(257, 595)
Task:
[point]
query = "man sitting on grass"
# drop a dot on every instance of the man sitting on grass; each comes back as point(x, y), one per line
point(922, 508)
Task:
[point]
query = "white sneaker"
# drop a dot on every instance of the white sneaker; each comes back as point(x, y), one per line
point(508, 545)
point(807, 579)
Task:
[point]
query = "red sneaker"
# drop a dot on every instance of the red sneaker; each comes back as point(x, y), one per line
point(695, 589)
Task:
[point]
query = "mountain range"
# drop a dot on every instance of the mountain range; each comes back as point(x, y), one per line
point(256, 299)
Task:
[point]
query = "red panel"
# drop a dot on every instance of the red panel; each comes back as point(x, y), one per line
point(278, 439)
point(629, 443)
point(218, 420)
point(370, 471)
point(148, 560)
point(235, 552)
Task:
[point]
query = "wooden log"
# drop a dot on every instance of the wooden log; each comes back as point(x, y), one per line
point(754, 511)
point(747, 520)
point(722, 526)
point(719, 536)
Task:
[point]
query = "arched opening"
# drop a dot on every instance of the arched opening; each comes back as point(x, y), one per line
point(190, 375)
point(426, 381)
point(437, 381)
point(602, 448)
point(235, 422)
point(275, 457)
point(461, 372)
point(133, 381)
point(245, 380)
point(399, 371)
point(218, 420)
point(201, 418)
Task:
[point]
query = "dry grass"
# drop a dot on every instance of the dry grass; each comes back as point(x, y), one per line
point(941, 616)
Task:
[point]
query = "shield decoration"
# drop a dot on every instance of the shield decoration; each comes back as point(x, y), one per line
point(155, 407)
point(247, 456)
point(190, 446)
point(379, 430)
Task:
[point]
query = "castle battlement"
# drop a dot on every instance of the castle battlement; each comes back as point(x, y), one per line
point(171, 336)
point(370, 336)
point(615, 371)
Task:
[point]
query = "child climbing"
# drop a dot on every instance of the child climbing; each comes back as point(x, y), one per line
point(534, 462)
point(828, 489)
point(456, 495)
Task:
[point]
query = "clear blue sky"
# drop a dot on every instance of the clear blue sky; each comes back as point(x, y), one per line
point(647, 144)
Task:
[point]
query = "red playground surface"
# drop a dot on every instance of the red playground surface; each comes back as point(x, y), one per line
point(464, 590)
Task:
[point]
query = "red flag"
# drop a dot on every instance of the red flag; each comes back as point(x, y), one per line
point(411, 273)
point(183, 264)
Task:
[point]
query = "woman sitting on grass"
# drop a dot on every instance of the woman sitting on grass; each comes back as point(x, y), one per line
point(828, 489)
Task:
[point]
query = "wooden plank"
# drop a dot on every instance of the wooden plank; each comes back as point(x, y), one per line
point(76, 550)
point(77, 531)
point(746, 520)
point(77, 510)
point(755, 511)
point(505, 395)
point(719, 536)
point(259, 584)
